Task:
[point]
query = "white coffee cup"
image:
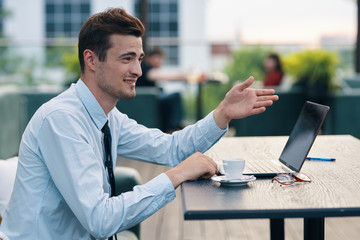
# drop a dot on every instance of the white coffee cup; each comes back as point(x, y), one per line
point(233, 168)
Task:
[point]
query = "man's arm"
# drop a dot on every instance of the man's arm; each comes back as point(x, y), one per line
point(241, 102)
point(157, 74)
point(138, 142)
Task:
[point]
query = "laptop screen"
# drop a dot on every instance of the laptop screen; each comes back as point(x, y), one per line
point(303, 135)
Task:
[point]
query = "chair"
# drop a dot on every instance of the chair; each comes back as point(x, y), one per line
point(7, 177)
point(144, 108)
point(125, 179)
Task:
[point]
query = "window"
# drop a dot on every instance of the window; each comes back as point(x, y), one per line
point(163, 23)
point(64, 18)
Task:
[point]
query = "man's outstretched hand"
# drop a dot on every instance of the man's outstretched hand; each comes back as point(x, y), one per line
point(242, 101)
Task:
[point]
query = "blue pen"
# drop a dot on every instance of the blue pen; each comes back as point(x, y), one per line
point(320, 159)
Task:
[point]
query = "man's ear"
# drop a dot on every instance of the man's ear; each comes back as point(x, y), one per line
point(90, 59)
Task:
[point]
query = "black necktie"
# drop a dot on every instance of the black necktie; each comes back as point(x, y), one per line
point(108, 161)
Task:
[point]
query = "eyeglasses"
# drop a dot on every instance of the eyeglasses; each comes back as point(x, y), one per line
point(289, 179)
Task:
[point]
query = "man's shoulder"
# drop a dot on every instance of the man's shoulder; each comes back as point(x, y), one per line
point(67, 101)
point(61, 106)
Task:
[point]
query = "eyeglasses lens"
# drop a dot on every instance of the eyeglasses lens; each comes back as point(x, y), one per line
point(288, 179)
point(301, 177)
point(285, 179)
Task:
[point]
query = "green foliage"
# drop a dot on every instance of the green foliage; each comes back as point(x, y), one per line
point(189, 102)
point(14, 64)
point(312, 66)
point(71, 63)
point(54, 55)
point(212, 94)
point(246, 62)
point(9, 63)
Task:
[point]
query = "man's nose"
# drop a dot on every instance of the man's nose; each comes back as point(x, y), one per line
point(136, 69)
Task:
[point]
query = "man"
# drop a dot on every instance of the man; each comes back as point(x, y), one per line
point(62, 188)
point(171, 107)
point(152, 72)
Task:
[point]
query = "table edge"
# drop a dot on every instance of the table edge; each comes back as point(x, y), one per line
point(271, 214)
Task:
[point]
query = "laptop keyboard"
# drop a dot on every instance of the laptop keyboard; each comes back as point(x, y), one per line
point(262, 166)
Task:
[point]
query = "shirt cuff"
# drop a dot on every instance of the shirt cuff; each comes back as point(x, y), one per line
point(211, 130)
point(163, 188)
point(211, 114)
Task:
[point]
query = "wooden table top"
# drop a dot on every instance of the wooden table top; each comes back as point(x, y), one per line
point(334, 190)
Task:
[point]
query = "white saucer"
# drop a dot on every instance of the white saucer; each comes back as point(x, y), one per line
point(234, 182)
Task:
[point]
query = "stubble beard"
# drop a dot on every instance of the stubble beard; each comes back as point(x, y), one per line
point(121, 94)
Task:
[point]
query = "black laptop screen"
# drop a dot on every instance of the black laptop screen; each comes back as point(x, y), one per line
point(303, 135)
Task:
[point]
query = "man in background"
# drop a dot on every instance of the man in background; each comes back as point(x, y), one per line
point(171, 106)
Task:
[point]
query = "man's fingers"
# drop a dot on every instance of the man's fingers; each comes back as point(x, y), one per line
point(264, 92)
point(214, 165)
point(267, 98)
point(261, 104)
point(213, 168)
point(258, 110)
point(207, 175)
point(246, 84)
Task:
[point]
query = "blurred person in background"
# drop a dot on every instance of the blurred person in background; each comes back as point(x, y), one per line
point(171, 105)
point(273, 70)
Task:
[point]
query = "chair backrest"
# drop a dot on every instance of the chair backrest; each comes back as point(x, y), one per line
point(125, 179)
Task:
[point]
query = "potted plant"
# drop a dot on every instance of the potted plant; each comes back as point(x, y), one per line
point(314, 70)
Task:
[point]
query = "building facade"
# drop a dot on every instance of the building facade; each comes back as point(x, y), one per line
point(178, 26)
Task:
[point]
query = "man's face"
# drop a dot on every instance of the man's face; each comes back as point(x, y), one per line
point(116, 76)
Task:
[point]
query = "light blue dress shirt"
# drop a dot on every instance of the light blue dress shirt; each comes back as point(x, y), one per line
point(61, 188)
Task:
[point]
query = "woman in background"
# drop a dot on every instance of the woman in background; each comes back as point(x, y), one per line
point(273, 70)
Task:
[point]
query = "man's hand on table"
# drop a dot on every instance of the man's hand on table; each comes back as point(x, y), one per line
point(196, 166)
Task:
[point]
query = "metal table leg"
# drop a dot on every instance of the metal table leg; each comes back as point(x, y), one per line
point(277, 231)
point(314, 229)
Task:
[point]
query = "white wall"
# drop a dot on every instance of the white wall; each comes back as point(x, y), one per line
point(25, 25)
point(26, 19)
point(195, 50)
point(101, 5)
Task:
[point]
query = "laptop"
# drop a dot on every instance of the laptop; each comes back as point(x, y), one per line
point(298, 145)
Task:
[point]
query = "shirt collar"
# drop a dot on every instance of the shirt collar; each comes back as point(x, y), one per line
point(91, 105)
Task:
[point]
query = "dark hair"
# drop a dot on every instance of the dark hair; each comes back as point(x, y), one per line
point(97, 29)
point(156, 51)
point(277, 61)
